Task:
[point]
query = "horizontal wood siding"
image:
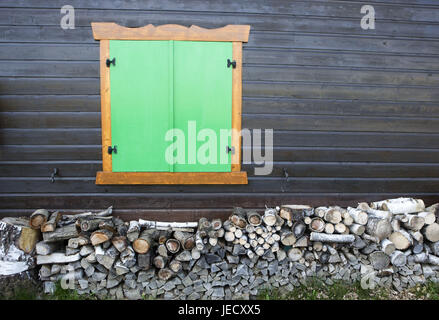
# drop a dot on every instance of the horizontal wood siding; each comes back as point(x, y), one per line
point(355, 112)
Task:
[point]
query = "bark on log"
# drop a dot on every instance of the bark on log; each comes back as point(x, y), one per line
point(173, 245)
point(387, 246)
point(160, 262)
point(340, 228)
point(145, 240)
point(357, 229)
point(166, 225)
point(133, 231)
point(45, 248)
point(380, 228)
point(317, 225)
point(400, 205)
point(339, 238)
point(329, 228)
point(50, 225)
point(358, 215)
point(128, 257)
point(401, 239)
point(38, 218)
point(429, 217)
point(63, 233)
point(295, 254)
point(375, 212)
point(57, 257)
point(254, 218)
point(165, 274)
point(414, 222)
point(175, 266)
point(269, 217)
point(120, 243)
point(100, 236)
point(239, 217)
point(287, 238)
point(216, 224)
point(144, 260)
point(162, 250)
point(332, 215)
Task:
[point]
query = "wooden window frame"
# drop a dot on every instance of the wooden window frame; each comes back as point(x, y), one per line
point(237, 34)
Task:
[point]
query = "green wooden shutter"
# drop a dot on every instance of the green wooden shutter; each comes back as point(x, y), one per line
point(141, 104)
point(203, 93)
point(159, 85)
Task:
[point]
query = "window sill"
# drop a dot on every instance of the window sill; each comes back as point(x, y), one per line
point(238, 177)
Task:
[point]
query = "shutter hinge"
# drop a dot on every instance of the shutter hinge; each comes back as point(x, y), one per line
point(231, 63)
point(112, 61)
point(228, 149)
point(112, 149)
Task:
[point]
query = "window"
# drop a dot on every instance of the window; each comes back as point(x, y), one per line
point(155, 79)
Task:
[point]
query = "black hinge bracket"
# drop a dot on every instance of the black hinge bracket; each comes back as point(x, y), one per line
point(231, 63)
point(230, 149)
point(112, 149)
point(112, 61)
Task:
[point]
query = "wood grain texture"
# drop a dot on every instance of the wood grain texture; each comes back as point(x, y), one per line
point(237, 106)
point(113, 31)
point(105, 105)
point(151, 178)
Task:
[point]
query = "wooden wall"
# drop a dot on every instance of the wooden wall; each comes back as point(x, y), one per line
point(355, 112)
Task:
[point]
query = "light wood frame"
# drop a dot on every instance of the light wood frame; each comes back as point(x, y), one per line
point(105, 31)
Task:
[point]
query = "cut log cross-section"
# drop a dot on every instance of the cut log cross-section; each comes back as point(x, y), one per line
point(145, 240)
point(50, 225)
point(38, 218)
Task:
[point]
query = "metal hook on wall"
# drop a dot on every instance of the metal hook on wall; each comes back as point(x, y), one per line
point(54, 173)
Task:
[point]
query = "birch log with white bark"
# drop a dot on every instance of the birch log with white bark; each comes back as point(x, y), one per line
point(401, 239)
point(388, 246)
point(339, 238)
point(63, 233)
point(317, 225)
point(431, 232)
point(414, 222)
point(429, 217)
point(400, 205)
point(358, 215)
point(380, 228)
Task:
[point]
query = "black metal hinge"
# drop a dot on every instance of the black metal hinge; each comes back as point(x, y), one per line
point(112, 61)
point(231, 63)
point(112, 149)
point(230, 149)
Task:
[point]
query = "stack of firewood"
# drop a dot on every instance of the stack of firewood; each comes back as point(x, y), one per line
point(107, 256)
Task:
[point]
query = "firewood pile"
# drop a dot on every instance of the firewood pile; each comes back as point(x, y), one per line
point(395, 240)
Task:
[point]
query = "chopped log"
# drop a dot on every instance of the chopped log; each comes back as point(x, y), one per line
point(184, 256)
point(317, 246)
point(307, 220)
point(254, 218)
point(416, 235)
point(370, 238)
point(340, 228)
point(175, 266)
point(45, 248)
point(357, 229)
point(120, 243)
point(317, 225)
point(431, 232)
point(339, 238)
point(18, 231)
point(199, 241)
point(295, 254)
point(166, 225)
point(173, 245)
point(379, 260)
point(57, 257)
point(195, 253)
point(301, 242)
point(133, 231)
point(145, 240)
point(165, 274)
point(213, 241)
point(401, 239)
point(50, 225)
point(162, 250)
point(269, 217)
point(163, 235)
point(396, 225)
point(87, 224)
point(187, 239)
point(160, 262)
point(414, 222)
point(320, 211)
point(332, 215)
point(238, 234)
point(347, 219)
point(108, 258)
point(400, 205)
point(128, 257)
point(144, 260)
point(299, 229)
point(259, 251)
point(38, 218)
point(100, 236)
point(380, 228)
point(398, 259)
point(216, 224)
point(287, 238)
point(429, 217)
point(229, 236)
point(435, 248)
point(79, 241)
point(358, 215)
point(329, 228)
point(387, 246)
point(374, 212)
point(62, 233)
point(239, 217)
